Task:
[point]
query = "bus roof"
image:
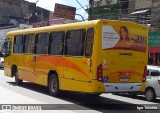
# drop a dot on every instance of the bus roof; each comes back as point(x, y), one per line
point(77, 25)
point(57, 27)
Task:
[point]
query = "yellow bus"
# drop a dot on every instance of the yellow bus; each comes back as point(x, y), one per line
point(92, 57)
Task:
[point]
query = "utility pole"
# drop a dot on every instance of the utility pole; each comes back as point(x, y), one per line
point(152, 14)
point(155, 10)
point(119, 10)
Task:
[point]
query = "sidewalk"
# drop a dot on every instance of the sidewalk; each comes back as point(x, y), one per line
point(11, 97)
point(8, 97)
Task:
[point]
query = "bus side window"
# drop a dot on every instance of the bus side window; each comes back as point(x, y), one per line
point(42, 43)
point(18, 44)
point(89, 42)
point(29, 43)
point(75, 42)
point(56, 43)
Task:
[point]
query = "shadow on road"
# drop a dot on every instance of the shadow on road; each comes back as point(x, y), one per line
point(85, 102)
point(139, 97)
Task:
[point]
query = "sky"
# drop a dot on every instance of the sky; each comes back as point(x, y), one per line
point(49, 4)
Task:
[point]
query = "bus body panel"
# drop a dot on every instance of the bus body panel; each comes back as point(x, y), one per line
point(80, 73)
point(44, 64)
point(78, 86)
point(123, 68)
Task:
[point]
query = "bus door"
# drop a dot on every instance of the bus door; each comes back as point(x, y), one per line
point(41, 62)
point(29, 57)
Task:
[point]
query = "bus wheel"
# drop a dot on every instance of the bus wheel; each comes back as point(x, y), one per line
point(17, 80)
point(53, 85)
point(150, 94)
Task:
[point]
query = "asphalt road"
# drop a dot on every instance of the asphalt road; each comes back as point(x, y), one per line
point(29, 93)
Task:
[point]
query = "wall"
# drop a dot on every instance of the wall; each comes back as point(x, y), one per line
point(18, 8)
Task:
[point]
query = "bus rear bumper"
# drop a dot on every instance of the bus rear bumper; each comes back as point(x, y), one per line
point(123, 87)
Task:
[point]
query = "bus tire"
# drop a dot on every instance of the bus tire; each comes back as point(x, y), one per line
point(17, 80)
point(53, 85)
point(150, 94)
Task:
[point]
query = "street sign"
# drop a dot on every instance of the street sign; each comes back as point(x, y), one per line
point(106, 11)
point(154, 39)
point(63, 11)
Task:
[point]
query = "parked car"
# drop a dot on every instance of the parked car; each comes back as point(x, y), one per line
point(152, 83)
point(1, 60)
point(152, 89)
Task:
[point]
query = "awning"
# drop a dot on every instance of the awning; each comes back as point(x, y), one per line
point(154, 50)
point(141, 11)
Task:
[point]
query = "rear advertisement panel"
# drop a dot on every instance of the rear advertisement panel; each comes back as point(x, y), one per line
point(123, 37)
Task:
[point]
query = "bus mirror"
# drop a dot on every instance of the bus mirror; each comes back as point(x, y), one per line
point(6, 49)
point(3, 49)
point(3, 52)
point(46, 51)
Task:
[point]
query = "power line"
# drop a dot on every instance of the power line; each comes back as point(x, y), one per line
point(81, 5)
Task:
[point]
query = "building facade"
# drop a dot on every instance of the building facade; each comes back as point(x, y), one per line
point(108, 9)
point(14, 12)
point(146, 12)
point(10, 9)
point(139, 11)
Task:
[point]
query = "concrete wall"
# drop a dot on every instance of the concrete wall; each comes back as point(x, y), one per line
point(142, 4)
point(16, 8)
point(20, 9)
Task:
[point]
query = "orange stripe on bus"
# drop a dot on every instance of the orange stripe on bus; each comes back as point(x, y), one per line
point(59, 61)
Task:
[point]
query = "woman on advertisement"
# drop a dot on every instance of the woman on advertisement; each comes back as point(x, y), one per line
point(124, 40)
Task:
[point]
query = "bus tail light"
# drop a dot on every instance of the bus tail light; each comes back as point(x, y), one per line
point(100, 73)
point(144, 74)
